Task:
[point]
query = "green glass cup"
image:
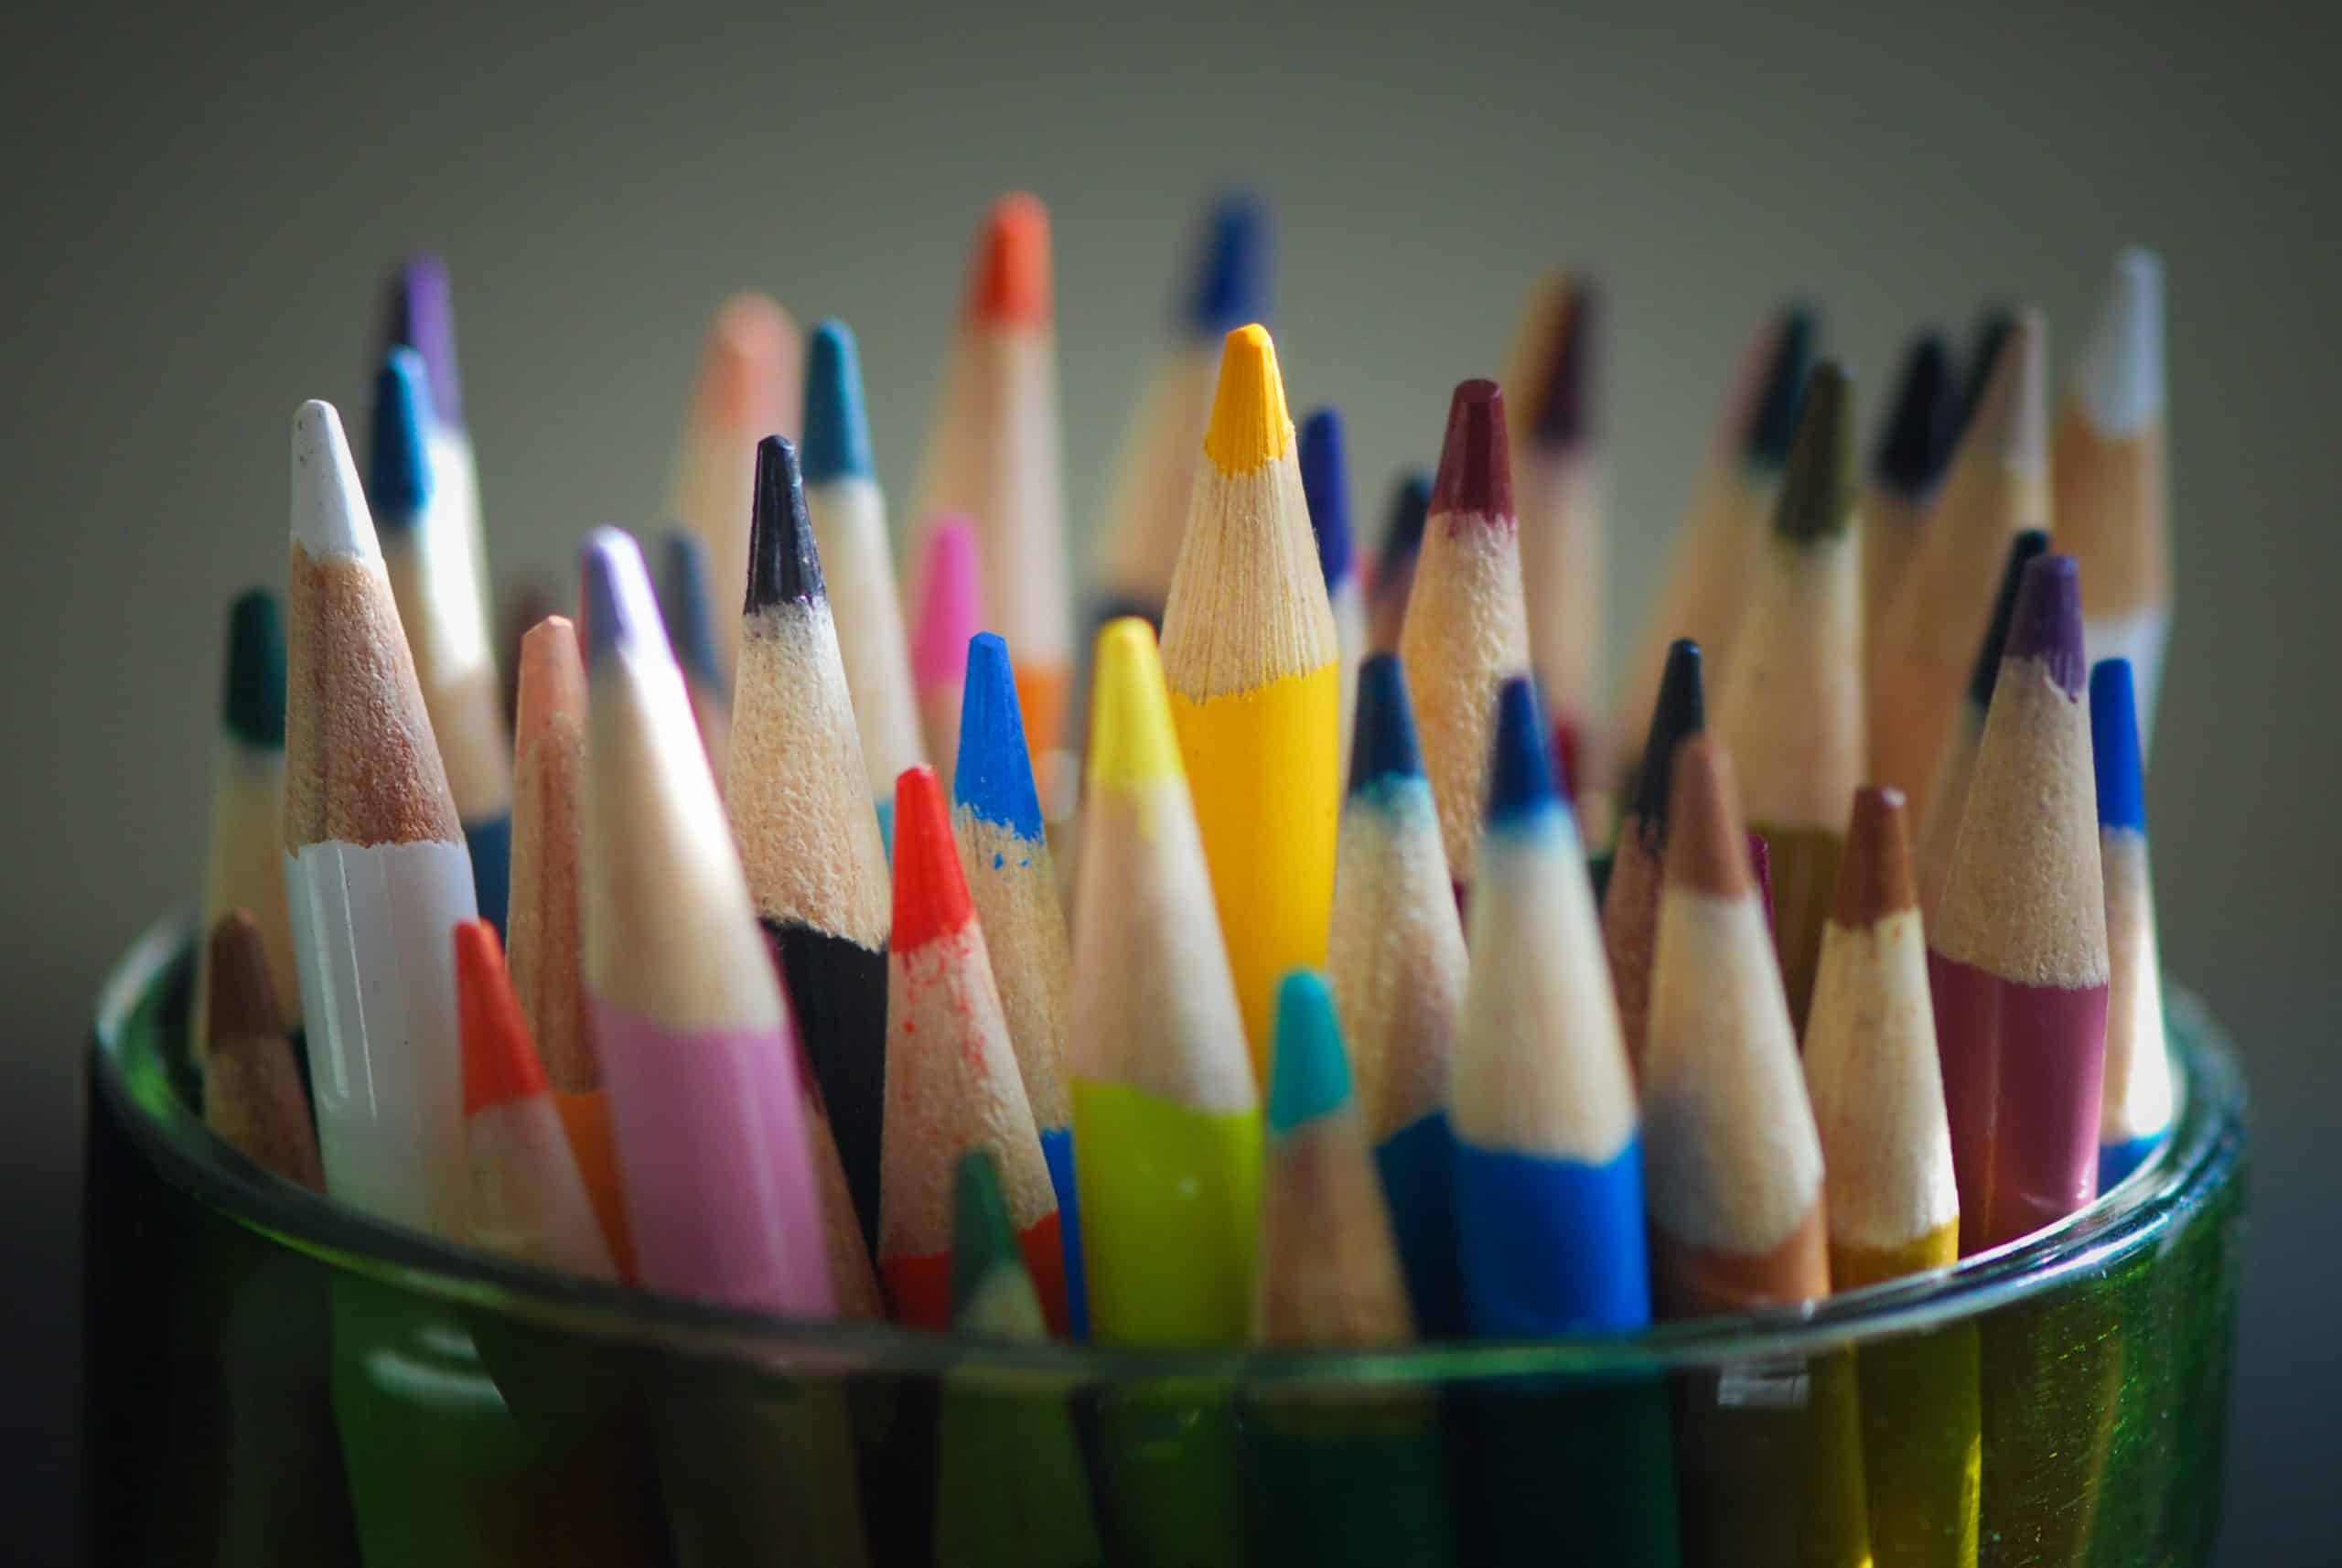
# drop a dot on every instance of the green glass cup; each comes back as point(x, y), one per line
point(276, 1379)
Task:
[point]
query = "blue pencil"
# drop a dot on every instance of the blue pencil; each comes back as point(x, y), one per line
point(1004, 850)
point(1395, 957)
point(2136, 1109)
point(436, 576)
point(1325, 485)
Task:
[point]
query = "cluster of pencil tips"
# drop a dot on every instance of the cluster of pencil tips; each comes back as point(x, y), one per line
point(711, 968)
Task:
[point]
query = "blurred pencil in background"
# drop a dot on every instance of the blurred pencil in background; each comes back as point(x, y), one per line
point(2136, 1100)
point(251, 1087)
point(1395, 558)
point(1325, 485)
point(420, 316)
point(948, 618)
point(1638, 864)
point(1905, 474)
point(686, 605)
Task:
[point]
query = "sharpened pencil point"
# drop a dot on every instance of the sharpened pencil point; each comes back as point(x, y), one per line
point(1385, 745)
point(1707, 849)
point(1772, 425)
point(1476, 459)
point(253, 710)
point(1918, 443)
point(1680, 711)
point(1520, 767)
point(983, 1238)
point(500, 1061)
point(1563, 416)
point(2047, 622)
point(1131, 744)
point(782, 561)
point(1817, 496)
point(1402, 532)
point(1985, 342)
point(399, 467)
point(1325, 485)
point(1875, 878)
point(1309, 1072)
point(1250, 426)
point(622, 614)
point(837, 423)
point(2023, 548)
point(950, 612)
point(329, 515)
point(2121, 373)
point(1231, 282)
point(243, 994)
point(422, 317)
point(930, 891)
point(1011, 287)
point(994, 776)
point(2114, 746)
point(683, 605)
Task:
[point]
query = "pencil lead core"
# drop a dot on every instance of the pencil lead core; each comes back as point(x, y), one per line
point(1250, 426)
point(783, 562)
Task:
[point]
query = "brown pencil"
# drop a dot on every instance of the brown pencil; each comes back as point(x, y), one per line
point(252, 1086)
point(1631, 902)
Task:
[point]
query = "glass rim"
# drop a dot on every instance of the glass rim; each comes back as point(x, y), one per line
point(2196, 1161)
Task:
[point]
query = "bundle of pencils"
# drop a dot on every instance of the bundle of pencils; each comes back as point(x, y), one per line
point(795, 1017)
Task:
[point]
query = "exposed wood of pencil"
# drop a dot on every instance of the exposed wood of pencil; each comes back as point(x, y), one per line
point(252, 1086)
point(1638, 866)
point(546, 952)
point(1907, 475)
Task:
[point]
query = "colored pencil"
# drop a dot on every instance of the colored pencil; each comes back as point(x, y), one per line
point(245, 864)
point(1549, 1191)
point(852, 1272)
point(1004, 852)
point(1467, 628)
point(687, 606)
point(800, 805)
point(1010, 1484)
point(1325, 485)
point(1395, 959)
point(1998, 485)
point(1249, 654)
point(1699, 593)
point(748, 387)
point(1940, 829)
point(422, 317)
point(1737, 1219)
point(1893, 1208)
point(953, 1082)
point(950, 595)
point(849, 514)
point(1986, 337)
point(1165, 1114)
point(1557, 480)
point(2136, 1104)
point(518, 607)
point(1638, 866)
point(548, 954)
point(443, 605)
point(252, 1086)
point(2017, 956)
point(1394, 560)
point(2110, 473)
point(1361, 1478)
point(1906, 473)
point(528, 1199)
point(1548, 1163)
point(992, 457)
point(1790, 708)
point(376, 872)
point(1144, 517)
point(693, 1031)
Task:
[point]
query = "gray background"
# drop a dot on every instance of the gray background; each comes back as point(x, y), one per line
point(201, 204)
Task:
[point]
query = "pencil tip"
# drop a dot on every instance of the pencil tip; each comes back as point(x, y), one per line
point(1325, 485)
point(2114, 746)
point(994, 776)
point(399, 467)
point(1309, 1074)
point(837, 423)
point(1520, 765)
point(1680, 711)
point(1875, 878)
point(1816, 496)
point(930, 891)
point(552, 682)
point(2023, 548)
point(1403, 533)
point(329, 515)
point(783, 562)
point(2121, 373)
point(620, 614)
point(1384, 744)
point(2047, 622)
point(683, 606)
point(1918, 443)
point(1131, 740)
point(253, 705)
point(1772, 423)
point(1011, 287)
point(1985, 340)
point(500, 1060)
point(1707, 847)
point(983, 1238)
point(1250, 426)
point(744, 367)
point(1476, 459)
point(1563, 416)
point(243, 994)
point(2009, 420)
point(422, 317)
point(949, 603)
point(1230, 281)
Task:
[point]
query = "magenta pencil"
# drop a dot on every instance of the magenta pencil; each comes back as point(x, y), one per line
point(695, 1038)
point(950, 613)
point(2017, 961)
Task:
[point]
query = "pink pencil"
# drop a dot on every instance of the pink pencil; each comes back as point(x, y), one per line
point(948, 614)
point(695, 1038)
